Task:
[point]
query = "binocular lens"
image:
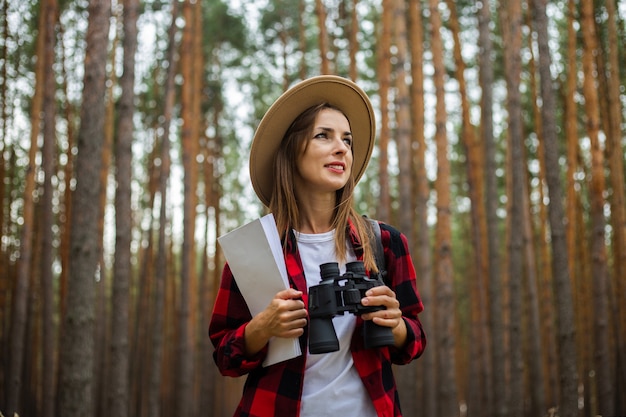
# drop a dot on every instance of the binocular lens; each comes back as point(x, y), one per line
point(356, 267)
point(329, 270)
point(322, 336)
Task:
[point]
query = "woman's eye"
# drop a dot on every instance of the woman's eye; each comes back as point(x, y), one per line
point(348, 142)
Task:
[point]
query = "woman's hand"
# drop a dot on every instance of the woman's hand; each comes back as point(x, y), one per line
point(285, 316)
point(391, 316)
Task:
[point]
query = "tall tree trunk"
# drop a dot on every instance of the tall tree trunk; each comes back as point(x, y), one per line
point(604, 384)
point(573, 230)
point(4, 119)
point(199, 103)
point(142, 311)
point(47, 216)
point(495, 348)
point(477, 402)
point(511, 20)
point(405, 375)
point(119, 382)
point(567, 357)
point(535, 354)
point(213, 154)
point(68, 174)
point(161, 270)
point(420, 234)
point(354, 40)
point(302, 44)
point(20, 295)
point(615, 151)
point(102, 356)
point(543, 255)
point(4, 114)
point(77, 345)
point(320, 11)
point(444, 285)
point(189, 139)
point(384, 82)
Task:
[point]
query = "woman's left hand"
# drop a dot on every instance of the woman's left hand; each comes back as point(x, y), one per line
point(391, 316)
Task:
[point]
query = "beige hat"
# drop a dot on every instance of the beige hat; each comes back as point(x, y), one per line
point(337, 91)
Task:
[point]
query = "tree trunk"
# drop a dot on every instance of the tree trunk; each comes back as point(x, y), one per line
point(511, 21)
point(421, 232)
point(161, 269)
point(495, 369)
point(189, 139)
point(119, 382)
point(20, 295)
point(77, 344)
point(444, 284)
point(405, 375)
point(47, 216)
point(354, 41)
point(604, 385)
point(534, 344)
point(384, 82)
point(320, 11)
point(574, 231)
point(615, 151)
point(477, 401)
point(567, 357)
point(68, 174)
point(302, 47)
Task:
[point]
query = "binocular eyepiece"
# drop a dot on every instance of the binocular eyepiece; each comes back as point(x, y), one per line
point(330, 298)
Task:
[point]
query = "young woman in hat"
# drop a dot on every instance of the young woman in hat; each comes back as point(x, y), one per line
point(309, 151)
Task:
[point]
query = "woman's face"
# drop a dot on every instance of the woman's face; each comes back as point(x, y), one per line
point(324, 163)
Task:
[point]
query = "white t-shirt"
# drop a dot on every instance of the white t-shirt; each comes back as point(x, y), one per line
point(332, 386)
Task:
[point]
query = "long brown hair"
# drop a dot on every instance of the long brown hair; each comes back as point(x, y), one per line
point(283, 202)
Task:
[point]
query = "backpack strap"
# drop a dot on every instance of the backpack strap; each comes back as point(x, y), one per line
point(377, 246)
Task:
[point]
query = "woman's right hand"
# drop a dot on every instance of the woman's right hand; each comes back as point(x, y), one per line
point(285, 316)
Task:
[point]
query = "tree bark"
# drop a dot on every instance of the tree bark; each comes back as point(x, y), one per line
point(535, 337)
point(405, 375)
point(476, 398)
point(567, 356)
point(495, 348)
point(444, 285)
point(574, 231)
point(119, 386)
point(320, 11)
point(511, 20)
point(384, 82)
point(604, 384)
point(421, 234)
point(190, 135)
point(616, 151)
point(77, 344)
point(162, 270)
point(19, 303)
point(47, 215)
point(354, 41)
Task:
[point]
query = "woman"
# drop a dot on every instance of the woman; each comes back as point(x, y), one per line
point(309, 151)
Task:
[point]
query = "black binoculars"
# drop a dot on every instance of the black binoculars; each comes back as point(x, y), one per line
point(337, 294)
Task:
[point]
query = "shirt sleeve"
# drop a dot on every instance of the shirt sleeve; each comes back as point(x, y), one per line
point(401, 278)
point(226, 330)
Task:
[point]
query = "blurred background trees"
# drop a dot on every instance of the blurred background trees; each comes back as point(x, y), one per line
point(125, 129)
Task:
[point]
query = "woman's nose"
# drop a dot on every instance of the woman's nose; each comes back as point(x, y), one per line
point(340, 146)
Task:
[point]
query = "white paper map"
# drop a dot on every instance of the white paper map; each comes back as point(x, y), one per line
point(254, 254)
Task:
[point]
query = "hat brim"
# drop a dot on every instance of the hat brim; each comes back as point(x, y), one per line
point(337, 91)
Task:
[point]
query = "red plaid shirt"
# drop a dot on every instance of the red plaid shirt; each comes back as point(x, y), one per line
point(276, 390)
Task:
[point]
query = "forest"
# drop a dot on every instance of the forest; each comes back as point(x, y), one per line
point(126, 127)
